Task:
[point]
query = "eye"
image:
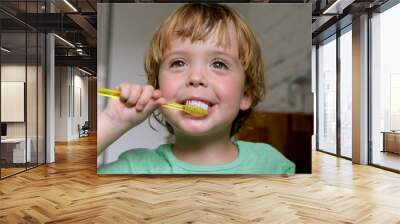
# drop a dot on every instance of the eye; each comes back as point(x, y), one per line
point(177, 63)
point(219, 64)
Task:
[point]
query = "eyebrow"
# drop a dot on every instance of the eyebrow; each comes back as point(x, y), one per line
point(219, 52)
point(175, 52)
point(213, 52)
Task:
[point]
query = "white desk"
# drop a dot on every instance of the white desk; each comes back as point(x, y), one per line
point(19, 149)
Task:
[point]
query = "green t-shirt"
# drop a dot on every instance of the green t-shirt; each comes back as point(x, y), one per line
point(254, 158)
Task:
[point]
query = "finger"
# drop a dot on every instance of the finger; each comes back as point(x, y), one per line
point(124, 90)
point(134, 95)
point(153, 104)
point(156, 94)
point(144, 98)
point(161, 101)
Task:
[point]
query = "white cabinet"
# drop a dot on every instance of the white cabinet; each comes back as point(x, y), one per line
point(18, 145)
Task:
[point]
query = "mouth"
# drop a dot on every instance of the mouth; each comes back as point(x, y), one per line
point(199, 102)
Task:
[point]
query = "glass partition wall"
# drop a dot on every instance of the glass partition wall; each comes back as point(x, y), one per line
point(13, 88)
point(334, 94)
point(22, 100)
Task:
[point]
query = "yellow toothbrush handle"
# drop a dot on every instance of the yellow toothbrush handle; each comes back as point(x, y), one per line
point(112, 93)
point(173, 106)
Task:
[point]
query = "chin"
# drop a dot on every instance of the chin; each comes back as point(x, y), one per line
point(195, 130)
point(194, 126)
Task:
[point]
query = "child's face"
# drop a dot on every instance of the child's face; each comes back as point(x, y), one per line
point(206, 72)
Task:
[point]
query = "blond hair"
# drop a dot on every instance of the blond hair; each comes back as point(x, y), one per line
point(197, 21)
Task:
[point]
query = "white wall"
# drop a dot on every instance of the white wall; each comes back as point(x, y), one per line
point(12, 101)
point(68, 81)
point(61, 103)
point(14, 73)
point(80, 84)
point(282, 29)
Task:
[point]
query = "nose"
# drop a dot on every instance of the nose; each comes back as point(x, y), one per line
point(196, 78)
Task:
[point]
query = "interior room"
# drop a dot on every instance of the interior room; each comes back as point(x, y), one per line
point(49, 75)
point(22, 101)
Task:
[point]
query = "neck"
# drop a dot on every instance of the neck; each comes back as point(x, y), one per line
point(205, 150)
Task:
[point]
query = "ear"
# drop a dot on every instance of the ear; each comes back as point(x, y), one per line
point(246, 100)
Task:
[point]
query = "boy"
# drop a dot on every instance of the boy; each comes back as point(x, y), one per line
point(201, 54)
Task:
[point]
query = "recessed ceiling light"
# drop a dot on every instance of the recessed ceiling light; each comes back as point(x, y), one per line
point(64, 40)
point(86, 72)
point(70, 5)
point(337, 7)
point(5, 49)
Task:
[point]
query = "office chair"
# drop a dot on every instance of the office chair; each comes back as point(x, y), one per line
point(84, 130)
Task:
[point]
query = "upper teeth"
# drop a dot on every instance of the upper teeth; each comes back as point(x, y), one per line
point(197, 103)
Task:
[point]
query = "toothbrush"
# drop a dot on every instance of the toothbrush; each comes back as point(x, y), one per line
point(112, 93)
point(191, 109)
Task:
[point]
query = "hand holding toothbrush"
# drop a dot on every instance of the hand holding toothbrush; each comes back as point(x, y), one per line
point(134, 104)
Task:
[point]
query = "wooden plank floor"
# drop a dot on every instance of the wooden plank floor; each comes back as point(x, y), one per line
point(10, 171)
point(70, 191)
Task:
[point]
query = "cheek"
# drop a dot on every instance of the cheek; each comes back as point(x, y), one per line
point(168, 86)
point(232, 97)
point(231, 92)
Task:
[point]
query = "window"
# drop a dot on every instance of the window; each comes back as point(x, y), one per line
point(385, 88)
point(327, 95)
point(346, 92)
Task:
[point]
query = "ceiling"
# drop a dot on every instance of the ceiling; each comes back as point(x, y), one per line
point(76, 22)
